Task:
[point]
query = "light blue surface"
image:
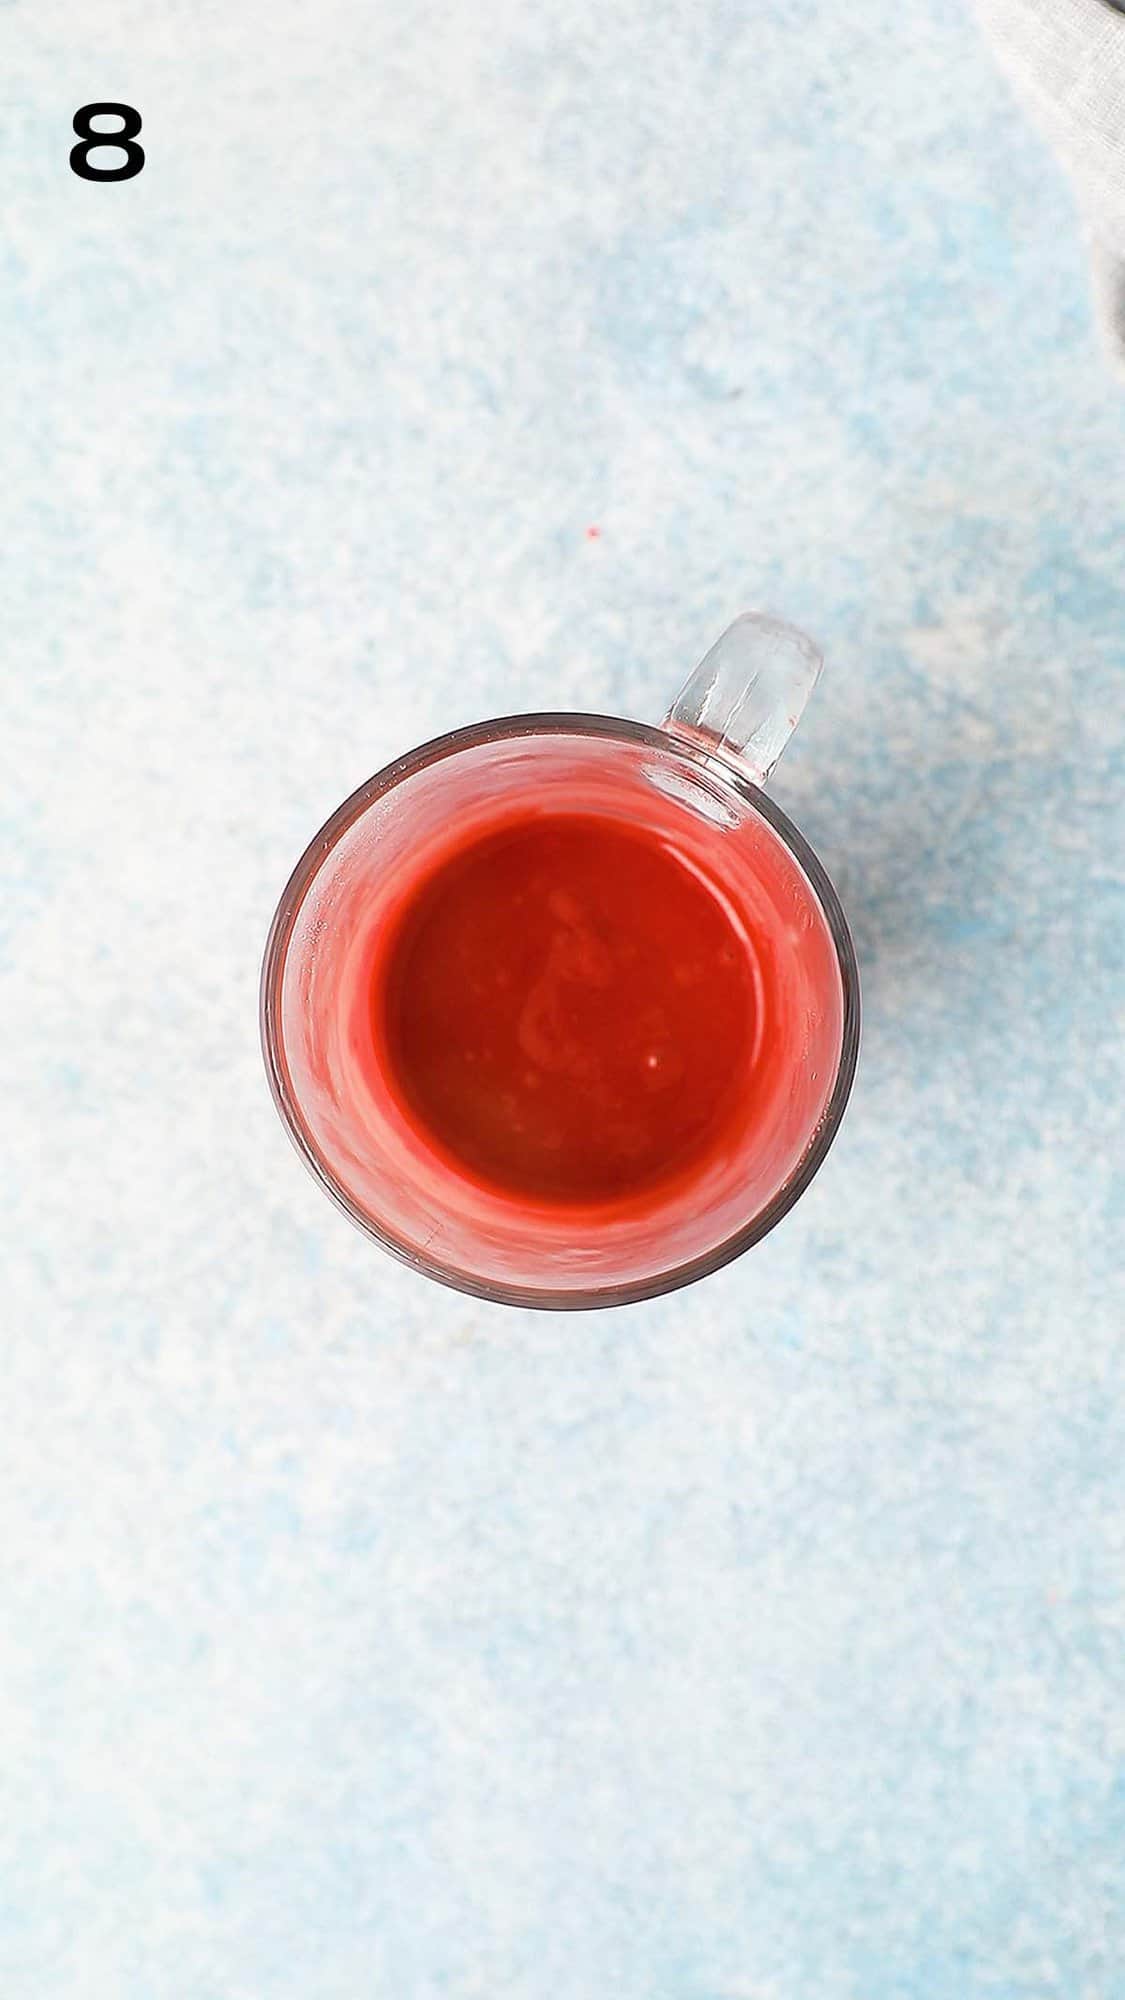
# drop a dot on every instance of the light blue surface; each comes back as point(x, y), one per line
point(357, 1639)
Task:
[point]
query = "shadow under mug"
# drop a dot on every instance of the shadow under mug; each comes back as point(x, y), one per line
point(695, 783)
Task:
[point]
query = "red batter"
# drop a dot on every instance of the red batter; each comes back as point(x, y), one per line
point(569, 1010)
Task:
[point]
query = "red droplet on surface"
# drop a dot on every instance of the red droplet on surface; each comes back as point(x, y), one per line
point(592, 534)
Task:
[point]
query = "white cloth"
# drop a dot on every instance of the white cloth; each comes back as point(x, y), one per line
point(1066, 58)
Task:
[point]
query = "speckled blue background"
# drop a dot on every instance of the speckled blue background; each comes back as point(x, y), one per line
point(357, 1639)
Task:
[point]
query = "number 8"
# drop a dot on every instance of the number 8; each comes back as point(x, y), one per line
point(125, 141)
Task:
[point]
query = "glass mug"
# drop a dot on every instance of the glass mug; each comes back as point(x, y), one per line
point(692, 789)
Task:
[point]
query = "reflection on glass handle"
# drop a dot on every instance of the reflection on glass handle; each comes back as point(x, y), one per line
point(745, 699)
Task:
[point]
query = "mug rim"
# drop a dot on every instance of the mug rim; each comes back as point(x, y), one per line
point(543, 723)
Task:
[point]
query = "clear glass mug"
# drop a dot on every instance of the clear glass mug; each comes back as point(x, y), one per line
point(696, 781)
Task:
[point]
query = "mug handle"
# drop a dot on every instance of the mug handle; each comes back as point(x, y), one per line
point(748, 694)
